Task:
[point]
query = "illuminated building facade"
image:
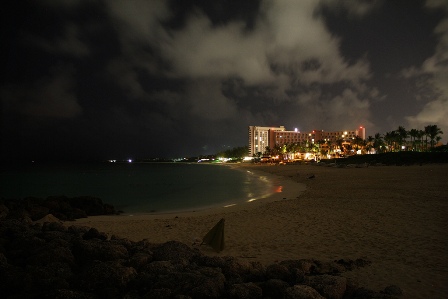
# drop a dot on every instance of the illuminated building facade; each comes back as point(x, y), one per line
point(285, 137)
point(262, 137)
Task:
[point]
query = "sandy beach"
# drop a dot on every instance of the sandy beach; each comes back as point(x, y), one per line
point(394, 216)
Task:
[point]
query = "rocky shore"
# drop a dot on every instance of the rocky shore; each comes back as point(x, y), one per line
point(45, 258)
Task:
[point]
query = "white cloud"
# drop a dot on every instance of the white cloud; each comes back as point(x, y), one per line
point(206, 101)
point(437, 4)
point(434, 71)
point(289, 46)
point(345, 111)
point(127, 78)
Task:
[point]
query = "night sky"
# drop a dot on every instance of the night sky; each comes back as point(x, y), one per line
point(86, 79)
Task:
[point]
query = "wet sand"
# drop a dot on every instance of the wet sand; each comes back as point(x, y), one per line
point(394, 216)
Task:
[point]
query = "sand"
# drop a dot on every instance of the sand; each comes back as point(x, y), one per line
point(394, 216)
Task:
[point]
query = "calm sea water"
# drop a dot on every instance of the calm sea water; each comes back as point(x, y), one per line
point(138, 187)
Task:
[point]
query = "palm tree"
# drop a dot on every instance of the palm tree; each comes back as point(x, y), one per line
point(267, 151)
point(420, 136)
point(276, 150)
point(378, 142)
point(357, 141)
point(402, 134)
point(339, 143)
point(432, 131)
point(413, 133)
point(369, 143)
point(391, 139)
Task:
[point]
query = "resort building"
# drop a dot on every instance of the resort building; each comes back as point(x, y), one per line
point(262, 137)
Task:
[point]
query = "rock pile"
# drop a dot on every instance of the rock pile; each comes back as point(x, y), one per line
point(62, 207)
point(51, 260)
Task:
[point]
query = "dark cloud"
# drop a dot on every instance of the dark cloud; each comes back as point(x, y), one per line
point(117, 79)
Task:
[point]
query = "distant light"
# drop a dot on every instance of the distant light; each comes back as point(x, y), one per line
point(360, 127)
point(296, 130)
point(130, 160)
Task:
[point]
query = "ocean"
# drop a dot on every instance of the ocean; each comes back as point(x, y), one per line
point(139, 187)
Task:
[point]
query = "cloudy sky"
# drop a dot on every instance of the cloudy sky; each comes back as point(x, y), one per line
point(88, 79)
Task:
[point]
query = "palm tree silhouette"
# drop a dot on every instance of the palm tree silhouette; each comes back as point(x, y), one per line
point(433, 131)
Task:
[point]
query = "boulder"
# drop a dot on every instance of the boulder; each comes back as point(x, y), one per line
point(302, 292)
point(198, 283)
point(274, 288)
point(93, 206)
point(174, 250)
point(331, 287)
point(4, 211)
point(95, 249)
point(247, 290)
point(106, 279)
point(93, 233)
point(277, 271)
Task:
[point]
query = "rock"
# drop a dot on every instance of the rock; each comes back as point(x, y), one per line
point(275, 288)
point(331, 287)
point(234, 268)
point(245, 291)
point(69, 294)
point(277, 271)
point(197, 283)
point(307, 266)
point(78, 230)
point(174, 250)
point(37, 212)
point(4, 211)
point(93, 233)
point(350, 265)
point(3, 260)
point(56, 251)
point(106, 279)
point(140, 259)
point(163, 293)
point(95, 249)
point(54, 226)
point(93, 206)
point(302, 292)
point(50, 260)
point(393, 290)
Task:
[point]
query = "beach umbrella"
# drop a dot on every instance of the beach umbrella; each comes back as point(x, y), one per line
point(215, 237)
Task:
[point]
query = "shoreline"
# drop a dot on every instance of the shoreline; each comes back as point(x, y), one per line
point(280, 190)
point(393, 216)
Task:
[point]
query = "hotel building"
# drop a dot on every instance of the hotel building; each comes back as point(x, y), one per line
point(262, 137)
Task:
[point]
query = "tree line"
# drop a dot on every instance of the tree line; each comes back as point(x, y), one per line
point(393, 141)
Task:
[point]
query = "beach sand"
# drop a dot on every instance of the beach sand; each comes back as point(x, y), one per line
point(394, 216)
